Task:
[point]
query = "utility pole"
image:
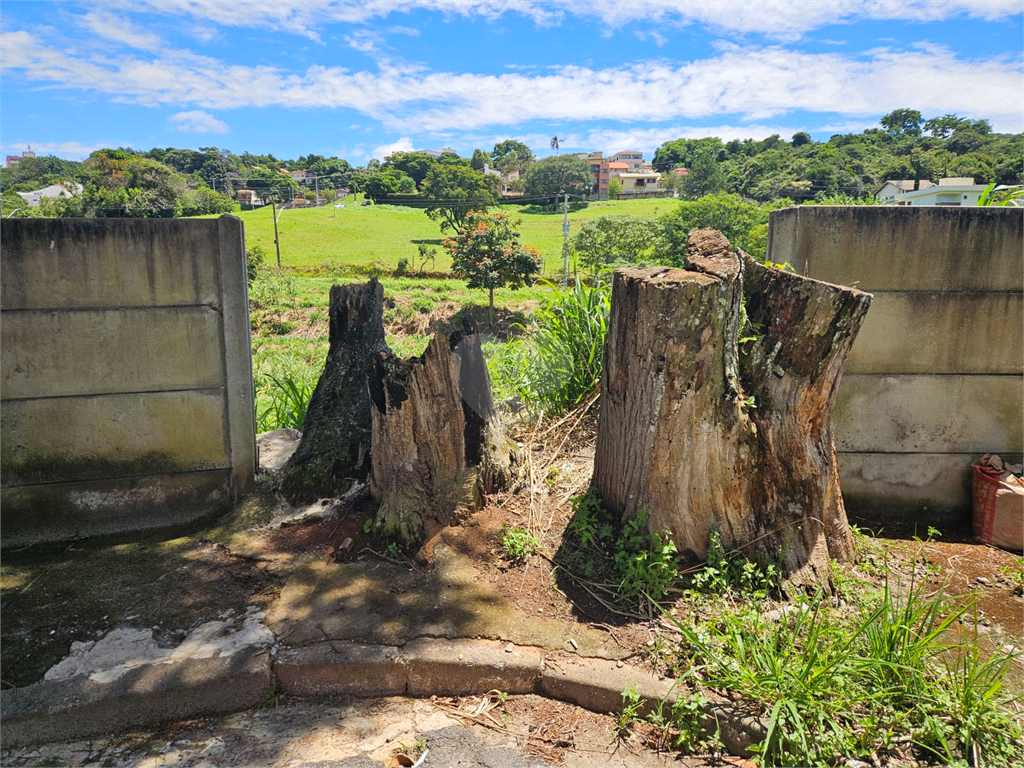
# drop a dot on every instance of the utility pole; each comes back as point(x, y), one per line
point(565, 241)
point(316, 183)
point(277, 243)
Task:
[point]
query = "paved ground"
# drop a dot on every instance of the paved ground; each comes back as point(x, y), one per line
point(364, 733)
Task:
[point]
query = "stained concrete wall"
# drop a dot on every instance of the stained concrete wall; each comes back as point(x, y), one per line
point(935, 377)
point(126, 397)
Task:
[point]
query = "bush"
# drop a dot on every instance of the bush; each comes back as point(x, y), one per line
point(609, 241)
point(288, 396)
point(731, 215)
point(255, 261)
point(557, 363)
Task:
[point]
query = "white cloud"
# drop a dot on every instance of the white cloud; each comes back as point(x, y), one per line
point(118, 29)
point(750, 83)
point(69, 150)
point(404, 144)
point(364, 41)
point(783, 19)
point(198, 121)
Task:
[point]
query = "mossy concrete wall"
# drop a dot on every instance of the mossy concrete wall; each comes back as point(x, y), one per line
point(936, 376)
point(126, 398)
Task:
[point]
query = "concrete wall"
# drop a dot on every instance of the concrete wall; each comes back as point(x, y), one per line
point(126, 397)
point(935, 376)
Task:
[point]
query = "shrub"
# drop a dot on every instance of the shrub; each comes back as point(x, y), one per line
point(612, 240)
point(288, 396)
point(557, 363)
point(517, 543)
point(255, 261)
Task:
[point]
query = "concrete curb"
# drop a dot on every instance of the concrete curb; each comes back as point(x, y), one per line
point(76, 708)
point(62, 710)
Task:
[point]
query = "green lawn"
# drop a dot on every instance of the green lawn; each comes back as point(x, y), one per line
point(364, 236)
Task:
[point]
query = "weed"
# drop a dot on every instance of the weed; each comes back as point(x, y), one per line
point(422, 304)
point(368, 525)
point(725, 572)
point(402, 267)
point(892, 680)
point(557, 363)
point(630, 713)
point(517, 543)
point(289, 397)
point(1014, 576)
point(272, 697)
point(642, 564)
point(393, 550)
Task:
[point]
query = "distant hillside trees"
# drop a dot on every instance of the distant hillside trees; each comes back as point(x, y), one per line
point(906, 146)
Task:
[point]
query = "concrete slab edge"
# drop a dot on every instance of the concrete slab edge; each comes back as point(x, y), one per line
point(159, 693)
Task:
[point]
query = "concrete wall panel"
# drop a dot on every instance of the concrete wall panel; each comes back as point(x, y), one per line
point(77, 263)
point(87, 438)
point(934, 378)
point(128, 350)
point(61, 511)
point(886, 248)
point(941, 333)
point(929, 414)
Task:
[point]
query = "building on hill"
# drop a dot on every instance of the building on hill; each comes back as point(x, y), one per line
point(955, 191)
point(630, 157)
point(639, 182)
point(435, 152)
point(32, 199)
point(13, 160)
point(893, 188)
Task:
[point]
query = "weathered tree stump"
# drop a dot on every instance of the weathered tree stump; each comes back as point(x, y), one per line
point(335, 447)
point(716, 407)
point(435, 448)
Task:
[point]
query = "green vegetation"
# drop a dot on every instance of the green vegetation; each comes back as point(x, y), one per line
point(728, 572)
point(630, 565)
point(517, 543)
point(486, 252)
point(896, 678)
point(556, 364)
point(853, 163)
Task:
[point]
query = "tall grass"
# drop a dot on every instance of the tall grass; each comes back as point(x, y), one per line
point(281, 401)
point(901, 678)
point(556, 364)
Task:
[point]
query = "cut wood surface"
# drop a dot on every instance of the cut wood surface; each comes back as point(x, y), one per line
point(335, 447)
point(716, 406)
point(436, 443)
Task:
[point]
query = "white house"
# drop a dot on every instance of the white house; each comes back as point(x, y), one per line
point(952, 191)
point(640, 182)
point(54, 190)
point(892, 189)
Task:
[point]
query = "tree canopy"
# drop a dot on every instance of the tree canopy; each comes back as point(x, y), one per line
point(511, 155)
point(452, 191)
point(558, 175)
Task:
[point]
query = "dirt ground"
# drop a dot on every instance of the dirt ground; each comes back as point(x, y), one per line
point(484, 731)
point(51, 596)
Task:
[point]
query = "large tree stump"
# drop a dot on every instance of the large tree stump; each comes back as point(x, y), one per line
point(716, 406)
point(335, 447)
point(435, 448)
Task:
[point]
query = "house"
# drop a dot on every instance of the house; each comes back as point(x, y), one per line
point(301, 177)
point(435, 152)
point(892, 189)
point(54, 190)
point(630, 157)
point(958, 191)
point(640, 182)
point(13, 160)
point(248, 197)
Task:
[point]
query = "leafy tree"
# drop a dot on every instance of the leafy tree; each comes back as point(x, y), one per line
point(610, 240)
point(614, 188)
point(733, 216)
point(380, 185)
point(800, 138)
point(486, 252)
point(415, 165)
point(452, 191)
point(673, 154)
point(511, 155)
point(479, 159)
point(558, 175)
point(945, 126)
point(902, 122)
point(271, 183)
point(555, 143)
point(705, 176)
point(33, 173)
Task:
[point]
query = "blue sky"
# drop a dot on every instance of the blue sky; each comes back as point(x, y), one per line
point(360, 78)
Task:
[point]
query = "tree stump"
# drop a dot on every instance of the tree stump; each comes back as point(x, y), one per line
point(716, 407)
point(335, 447)
point(434, 446)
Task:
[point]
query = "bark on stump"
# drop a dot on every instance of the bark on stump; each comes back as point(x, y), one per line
point(716, 407)
point(436, 448)
point(335, 447)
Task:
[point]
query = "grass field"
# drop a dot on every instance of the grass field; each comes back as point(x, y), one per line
point(382, 234)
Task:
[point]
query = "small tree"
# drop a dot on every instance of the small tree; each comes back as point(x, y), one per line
point(452, 191)
point(486, 252)
point(614, 188)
